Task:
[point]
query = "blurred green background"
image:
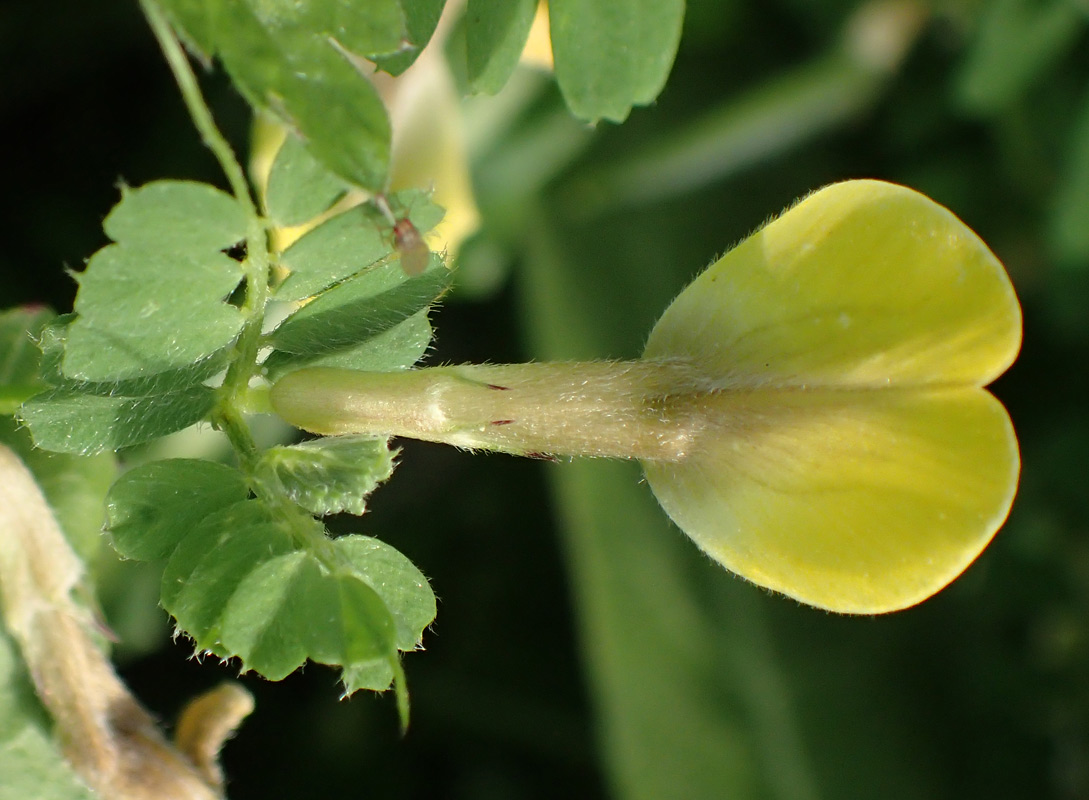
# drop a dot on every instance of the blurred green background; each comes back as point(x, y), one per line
point(584, 648)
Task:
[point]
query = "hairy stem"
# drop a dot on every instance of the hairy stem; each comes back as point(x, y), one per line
point(649, 410)
point(257, 258)
point(108, 738)
point(194, 101)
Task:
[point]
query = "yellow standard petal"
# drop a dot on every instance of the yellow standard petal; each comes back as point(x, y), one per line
point(861, 284)
point(850, 458)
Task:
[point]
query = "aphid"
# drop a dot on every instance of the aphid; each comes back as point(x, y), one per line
point(407, 241)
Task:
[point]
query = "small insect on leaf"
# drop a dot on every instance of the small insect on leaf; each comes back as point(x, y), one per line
point(410, 245)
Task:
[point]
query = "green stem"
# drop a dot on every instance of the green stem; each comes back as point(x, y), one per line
point(228, 420)
point(303, 528)
point(257, 259)
point(650, 410)
point(198, 109)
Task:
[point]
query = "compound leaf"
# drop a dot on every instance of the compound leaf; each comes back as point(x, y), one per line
point(240, 585)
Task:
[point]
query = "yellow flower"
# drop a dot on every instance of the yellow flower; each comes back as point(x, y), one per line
point(859, 465)
point(809, 410)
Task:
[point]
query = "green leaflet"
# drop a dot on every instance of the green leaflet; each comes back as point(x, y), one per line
point(299, 187)
point(613, 54)
point(19, 358)
point(165, 275)
point(143, 311)
point(289, 608)
point(329, 475)
point(403, 587)
point(369, 29)
point(398, 347)
point(354, 311)
point(421, 17)
point(366, 29)
point(315, 88)
point(209, 563)
point(495, 34)
point(241, 585)
point(334, 250)
point(350, 242)
point(68, 421)
point(152, 507)
point(53, 340)
point(176, 216)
